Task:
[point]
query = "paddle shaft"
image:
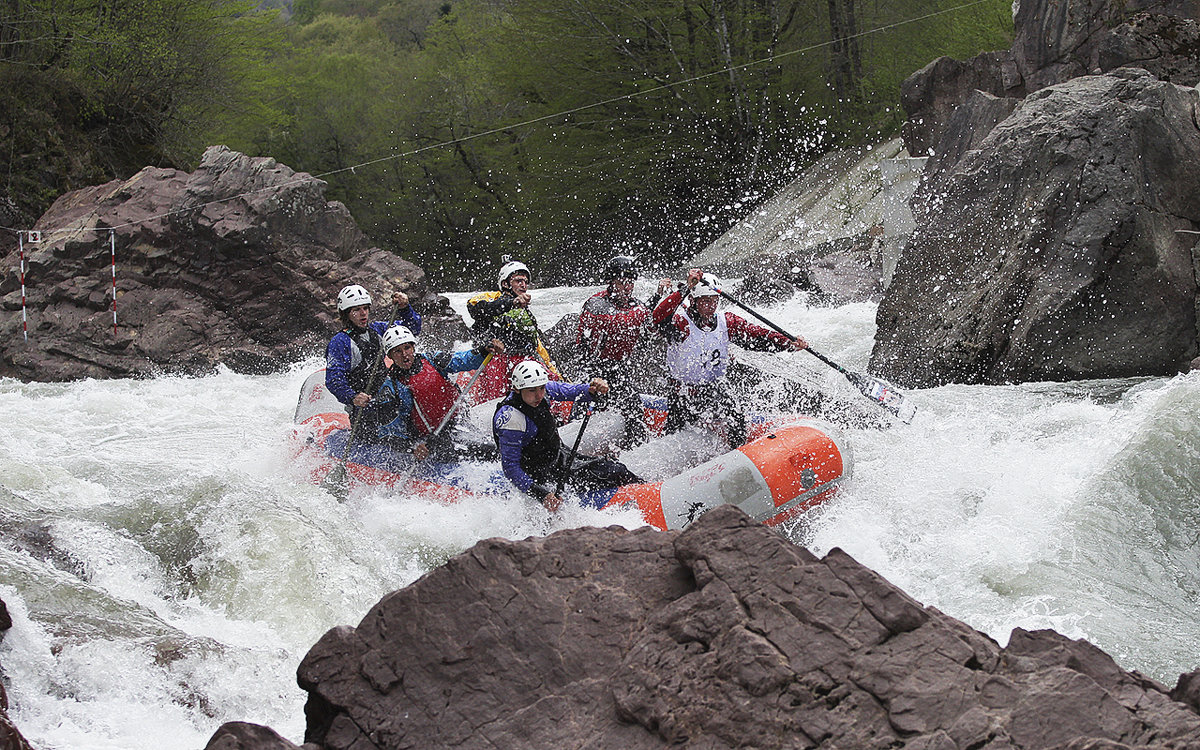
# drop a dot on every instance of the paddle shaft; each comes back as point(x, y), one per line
point(562, 481)
point(458, 402)
point(880, 392)
point(358, 415)
point(779, 330)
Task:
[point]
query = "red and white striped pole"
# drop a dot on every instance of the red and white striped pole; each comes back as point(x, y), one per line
point(24, 317)
point(112, 246)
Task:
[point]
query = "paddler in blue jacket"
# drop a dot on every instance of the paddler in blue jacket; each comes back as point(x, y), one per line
point(417, 396)
point(352, 351)
point(531, 452)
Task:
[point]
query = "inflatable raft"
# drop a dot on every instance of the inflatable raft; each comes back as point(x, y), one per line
point(788, 466)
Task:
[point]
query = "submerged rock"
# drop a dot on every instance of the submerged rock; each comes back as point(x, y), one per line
point(720, 636)
point(1062, 247)
point(236, 263)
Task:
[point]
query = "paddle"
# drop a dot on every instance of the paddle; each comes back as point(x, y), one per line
point(562, 481)
point(461, 396)
point(879, 391)
point(336, 482)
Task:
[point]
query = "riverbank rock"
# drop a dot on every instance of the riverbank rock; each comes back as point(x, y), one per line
point(237, 263)
point(1053, 43)
point(1063, 247)
point(720, 636)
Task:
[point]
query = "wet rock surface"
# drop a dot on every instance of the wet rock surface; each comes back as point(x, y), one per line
point(238, 263)
point(1062, 247)
point(723, 635)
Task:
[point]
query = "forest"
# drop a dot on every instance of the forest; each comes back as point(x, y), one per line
point(558, 131)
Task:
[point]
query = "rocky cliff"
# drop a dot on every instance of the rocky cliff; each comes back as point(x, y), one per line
point(236, 263)
point(1057, 217)
point(1060, 247)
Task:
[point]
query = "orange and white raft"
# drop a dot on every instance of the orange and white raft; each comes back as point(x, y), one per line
point(789, 466)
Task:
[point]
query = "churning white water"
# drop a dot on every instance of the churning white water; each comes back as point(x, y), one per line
point(167, 566)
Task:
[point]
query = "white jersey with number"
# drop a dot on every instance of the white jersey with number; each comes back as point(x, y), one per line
point(703, 356)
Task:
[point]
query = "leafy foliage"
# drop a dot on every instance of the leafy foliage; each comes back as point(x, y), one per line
point(97, 88)
point(558, 131)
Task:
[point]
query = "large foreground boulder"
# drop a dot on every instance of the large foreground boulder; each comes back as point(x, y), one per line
point(1063, 247)
point(724, 635)
point(235, 263)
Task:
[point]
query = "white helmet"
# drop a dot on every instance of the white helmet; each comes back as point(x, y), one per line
point(529, 375)
point(352, 296)
point(395, 336)
point(508, 269)
point(708, 288)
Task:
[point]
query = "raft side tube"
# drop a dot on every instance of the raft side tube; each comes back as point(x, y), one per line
point(772, 479)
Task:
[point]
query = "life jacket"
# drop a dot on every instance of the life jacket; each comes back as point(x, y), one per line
point(608, 332)
point(541, 453)
point(433, 395)
point(703, 356)
point(364, 348)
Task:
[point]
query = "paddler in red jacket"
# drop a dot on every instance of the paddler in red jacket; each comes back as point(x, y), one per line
point(417, 396)
point(610, 329)
point(698, 355)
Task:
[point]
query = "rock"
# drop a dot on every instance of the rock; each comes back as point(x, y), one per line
point(965, 131)
point(1195, 365)
point(1053, 43)
point(238, 263)
point(720, 636)
point(240, 735)
point(1059, 249)
point(844, 196)
point(932, 95)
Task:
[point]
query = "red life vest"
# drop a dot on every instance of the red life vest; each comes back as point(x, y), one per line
point(433, 393)
point(609, 332)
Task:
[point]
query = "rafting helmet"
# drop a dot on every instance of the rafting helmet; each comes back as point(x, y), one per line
point(509, 268)
point(352, 296)
point(621, 267)
point(395, 336)
point(708, 288)
point(529, 374)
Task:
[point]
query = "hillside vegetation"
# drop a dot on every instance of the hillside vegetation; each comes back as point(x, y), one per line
point(557, 130)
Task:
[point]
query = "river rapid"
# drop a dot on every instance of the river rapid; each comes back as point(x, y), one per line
point(167, 566)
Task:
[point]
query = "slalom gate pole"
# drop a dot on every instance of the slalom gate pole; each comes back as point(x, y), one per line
point(112, 246)
point(24, 317)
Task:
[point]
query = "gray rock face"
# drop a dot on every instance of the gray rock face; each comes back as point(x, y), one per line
point(1053, 251)
point(724, 635)
point(1055, 42)
point(239, 735)
point(238, 262)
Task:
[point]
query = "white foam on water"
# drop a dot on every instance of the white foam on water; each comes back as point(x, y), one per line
point(168, 566)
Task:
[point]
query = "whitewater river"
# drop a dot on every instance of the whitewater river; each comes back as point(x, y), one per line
point(166, 566)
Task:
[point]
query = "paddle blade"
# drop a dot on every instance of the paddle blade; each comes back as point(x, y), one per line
point(337, 482)
point(884, 394)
